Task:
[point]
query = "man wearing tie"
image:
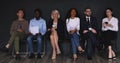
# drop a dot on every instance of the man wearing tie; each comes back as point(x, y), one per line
point(89, 28)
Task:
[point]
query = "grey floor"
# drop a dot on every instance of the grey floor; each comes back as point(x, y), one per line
point(63, 58)
point(5, 58)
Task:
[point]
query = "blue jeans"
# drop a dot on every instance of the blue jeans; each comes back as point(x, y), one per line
point(75, 41)
point(30, 44)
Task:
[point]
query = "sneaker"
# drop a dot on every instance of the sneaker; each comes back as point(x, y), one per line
point(89, 58)
point(39, 56)
point(32, 56)
point(17, 57)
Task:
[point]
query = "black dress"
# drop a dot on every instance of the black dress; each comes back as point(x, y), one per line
point(108, 36)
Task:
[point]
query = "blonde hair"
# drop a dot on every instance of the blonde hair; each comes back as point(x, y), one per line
point(55, 11)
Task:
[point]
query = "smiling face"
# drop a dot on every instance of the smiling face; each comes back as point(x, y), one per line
point(73, 13)
point(20, 14)
point(55, 14)
point(108, 12)
point(88, 12)
point(37, 14)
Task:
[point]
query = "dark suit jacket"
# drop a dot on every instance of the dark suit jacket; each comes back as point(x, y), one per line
point(60, 28)
point(85, 24)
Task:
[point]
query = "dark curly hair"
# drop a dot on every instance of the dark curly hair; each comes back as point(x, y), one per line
point(69, 13)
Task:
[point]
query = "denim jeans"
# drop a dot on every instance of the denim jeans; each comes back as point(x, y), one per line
point(75, 41)
point(30, 44)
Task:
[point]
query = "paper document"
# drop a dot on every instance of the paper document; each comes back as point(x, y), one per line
point(34, 30)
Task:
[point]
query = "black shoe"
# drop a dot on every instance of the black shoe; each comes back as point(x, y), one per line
point(109, 59)
point(17, 57)
point(39, 56)
point(114, 58)
point(89, 58)
point(32, 56)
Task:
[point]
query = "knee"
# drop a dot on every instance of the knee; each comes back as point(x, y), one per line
point(39, 39)
point(17, 38)
point(51, 36)
point(29, 39)
point(109, 48)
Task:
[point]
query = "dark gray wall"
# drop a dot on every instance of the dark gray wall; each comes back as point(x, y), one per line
point(9, 7)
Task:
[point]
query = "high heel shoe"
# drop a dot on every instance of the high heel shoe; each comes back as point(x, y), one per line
point(58, 52)
point(7, 46)
point(114, 58)
point(109, 59)
point(75, 57)
point(80, 50)
point(53, 57)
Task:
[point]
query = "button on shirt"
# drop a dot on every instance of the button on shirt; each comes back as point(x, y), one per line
point(41, 23)
point(113, 21)
point(73, 24)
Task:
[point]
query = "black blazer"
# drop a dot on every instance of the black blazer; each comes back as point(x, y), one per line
point(85, 25)
point(60, 28)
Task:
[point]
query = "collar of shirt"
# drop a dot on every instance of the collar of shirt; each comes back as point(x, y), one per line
point(36, 19)
point(88, 17)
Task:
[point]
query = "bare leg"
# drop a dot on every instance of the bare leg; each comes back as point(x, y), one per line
point(113, 53)
point(56, 42)
point(110, 52)
point(53, 46)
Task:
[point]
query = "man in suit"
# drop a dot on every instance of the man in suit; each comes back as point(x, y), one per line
point(89, 28)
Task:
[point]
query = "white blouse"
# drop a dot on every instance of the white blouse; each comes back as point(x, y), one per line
point(54, 24)
point(73, 24)
point(113, 22)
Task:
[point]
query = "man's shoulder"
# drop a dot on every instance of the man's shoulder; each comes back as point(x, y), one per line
point(33, 19)
point(92, 17)
point(42, 19)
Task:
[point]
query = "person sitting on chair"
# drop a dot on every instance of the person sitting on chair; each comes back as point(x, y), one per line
point(18, 31)
point(73, 28)
point(56, 29)
point(89, 27)
point(109, 32)
point(37, 28)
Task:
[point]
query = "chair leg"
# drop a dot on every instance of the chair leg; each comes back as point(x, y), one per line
point(13, 52)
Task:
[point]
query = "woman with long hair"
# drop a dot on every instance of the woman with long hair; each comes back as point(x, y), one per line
point(73, 27)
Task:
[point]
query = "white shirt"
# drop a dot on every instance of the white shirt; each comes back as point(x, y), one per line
point(73, 24)
point(54, 24)
point(113, 21)
point(87, 18)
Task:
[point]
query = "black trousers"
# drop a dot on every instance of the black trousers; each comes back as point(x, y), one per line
point(90, 45)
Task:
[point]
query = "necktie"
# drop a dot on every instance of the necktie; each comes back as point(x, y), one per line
point(87, 19)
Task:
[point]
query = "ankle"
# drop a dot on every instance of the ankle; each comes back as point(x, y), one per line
point(8, 45)
point(58, 52)
point(79, 48)
point(74, 56)
point(53, 56)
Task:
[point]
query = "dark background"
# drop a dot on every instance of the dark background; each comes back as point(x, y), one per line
point(8, 11)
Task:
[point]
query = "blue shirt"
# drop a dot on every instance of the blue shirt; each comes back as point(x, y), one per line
point(41, 23)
